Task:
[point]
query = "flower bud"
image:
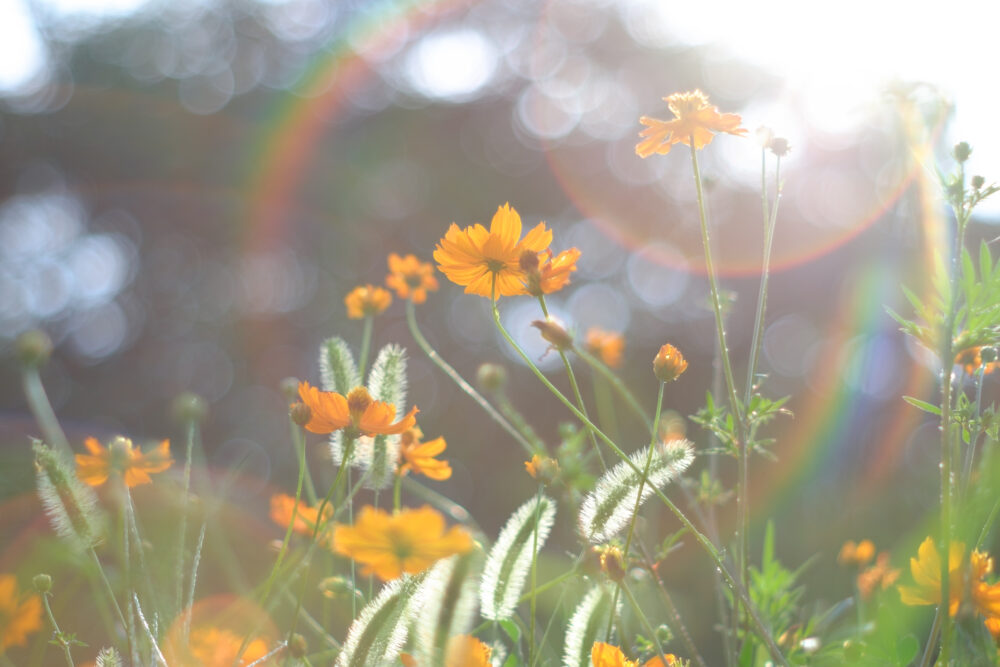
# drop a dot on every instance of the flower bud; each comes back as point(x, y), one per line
point(988, 355)
point(297, 646)
point(42, 583)
point(189, 407)
point(612, 562)
point(669, 363)
point(978, 182)
point(300, 413)
point(34, 348)
point(779, 146)
point(542, 468)
point(554, 333)
point(491, 377)
point(962, 151)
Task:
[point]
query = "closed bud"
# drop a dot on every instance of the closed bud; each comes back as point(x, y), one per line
point(42, 583)
point(779, 146)
point(612, 562)
point(297, 646)
point(988, 354)
point(491, 377)
point(669, 363)
point(300, 413)
point(962, 151)
point(34, 348)
point(189, 408)
point(978, 182)
point(542, 468)
point(554, 333)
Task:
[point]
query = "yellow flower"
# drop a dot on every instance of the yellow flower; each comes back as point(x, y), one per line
point(305, 517)
point(669, 363)
point(217, 647)
point(121, 458)
point(20, 614)
point(476, 258)
point(607, 345)
point(410, 540)
point(856, 554)
point(695, 121)
point(545, 275)
point(357, 414)
point(410, 277)
point(462, 651)
point(965, 580)
point(419, 456)
point(542, 468)
point(367, 300)
point(606, 655)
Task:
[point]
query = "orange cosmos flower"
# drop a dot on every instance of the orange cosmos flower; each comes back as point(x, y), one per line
point(476, 258)
point(545, 275)
point(606, 655)
point(669, 363)
point(695, 121)
point(607, 345)
point(965, 580)
point(856, 554)
point(217, 647)
point(880, 575)
point(357, 414)
point(462, 651)
point(410, 277)
point(367, 300)
point(20, 614)
point(305, 517)
point(971, 359)
point(419, 456)
point(121, 458)
point(387, 545)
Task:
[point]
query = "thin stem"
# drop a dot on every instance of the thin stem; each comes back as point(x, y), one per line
point(925, 660)
point(606, 415)
point(432, 354)
point(193, 582)
point(517, 420)
point(970, 454)
point(647, 626)
point(742, 504)
point(40, 406)
point(59, 638)
point(681, 629)
point(576, 389)
point(616, 383)
point(182, 528)
point(107, 587)
point(366, 343)
point(705, 543)
point(397, 488)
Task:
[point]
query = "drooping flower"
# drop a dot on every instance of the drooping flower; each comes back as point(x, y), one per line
point(965, 580)
point(669, 363)
point(306, 517)
point(971, 359)
point(476, 258)
point(695, 121)
point(20, 614)
point(607, 345)
point(357, 414)
point(606, 655)
point(218, 647)
point(410, 277)
point(859, 554)
point(419, 456)
point(881, 575)
point(121, 457)
point(545, 274)
point(410, 540)
point(366, 300)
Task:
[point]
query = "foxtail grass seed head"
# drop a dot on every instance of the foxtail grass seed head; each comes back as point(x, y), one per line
point(378, 633)
point(70, 505)
point(108, 657)
point(42, 583)
point(587, 626)
point(962, 151)
point(300, 413)
point(491, 377)
point(669, 363)
point(450, 595)
point(189, 408)
point(33, 348)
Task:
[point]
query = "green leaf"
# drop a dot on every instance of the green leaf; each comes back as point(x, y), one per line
point(907, 649)
point(511, 630)
point(923, 405)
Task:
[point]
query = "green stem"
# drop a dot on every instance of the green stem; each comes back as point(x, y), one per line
point(59, 638)
point(107, 588)
point(432, 354)
point(679, 626)
point(576, 389)
point(707, 545)
point(397, 489)
point(742, 504)
point(647, 626)
point(366, 343)
point(182, 528)
point(517, 420)
point(606, 415)
point(617, 385)
point(40, 406)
